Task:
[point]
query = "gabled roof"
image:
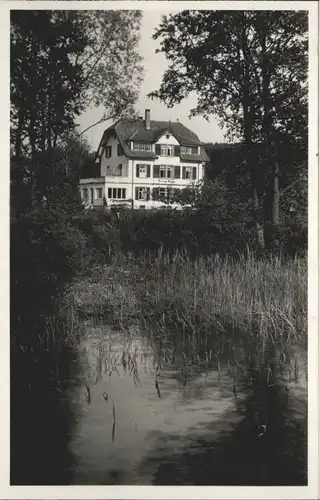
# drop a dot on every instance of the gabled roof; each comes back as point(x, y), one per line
point(134, 130)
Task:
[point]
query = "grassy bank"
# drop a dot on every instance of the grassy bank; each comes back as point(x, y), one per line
point(198, 303)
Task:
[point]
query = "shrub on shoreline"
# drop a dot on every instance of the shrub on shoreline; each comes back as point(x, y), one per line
point(223, 230)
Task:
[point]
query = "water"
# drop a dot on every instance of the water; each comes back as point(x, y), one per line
point(139, 419)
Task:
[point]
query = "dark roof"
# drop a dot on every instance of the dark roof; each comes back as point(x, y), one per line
point(128, 130)
point(186, 157)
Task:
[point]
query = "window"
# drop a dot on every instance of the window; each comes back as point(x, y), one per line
point(159, 193)
point(142, 146)
point(166, 150)
point(142, 193)
point(186, 150)
point(143, 170)
point(99, 193)
point(117, 193)
point(189, 173)
point(177, 172)
point(120, 151)
point(167, 171)
point(189, 150)
point(117, 170)
point(85, 194)
point(165, 193)
point(163, 171)
point(108, 151)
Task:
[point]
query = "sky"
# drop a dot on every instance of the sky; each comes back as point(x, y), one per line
point(154, 66)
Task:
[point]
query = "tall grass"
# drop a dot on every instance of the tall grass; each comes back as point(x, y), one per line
point(264, 299)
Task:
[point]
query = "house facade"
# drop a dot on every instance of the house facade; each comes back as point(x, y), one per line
point(141, 162)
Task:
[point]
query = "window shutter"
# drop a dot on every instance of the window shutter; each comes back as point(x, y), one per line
point(177, 172)
point(148, 170)
point(136, 197)
point(156, 171)
point(148, 194)
point(137, 170)
point(177, 151)
point(158, 149)
point(183, 172)
point(194, 173)
point(119, 150)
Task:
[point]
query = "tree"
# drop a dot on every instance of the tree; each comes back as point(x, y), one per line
point(111, 62)
point(62, 62)
point(248, 68)
point(45, 85)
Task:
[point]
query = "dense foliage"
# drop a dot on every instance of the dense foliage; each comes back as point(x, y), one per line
point(248, 69)
point(61, 63)
point(64, 62)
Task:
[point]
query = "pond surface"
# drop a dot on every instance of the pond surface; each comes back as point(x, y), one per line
point(140, 419)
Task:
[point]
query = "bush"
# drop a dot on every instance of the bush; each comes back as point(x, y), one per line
point(101, 233)
point(47, 251)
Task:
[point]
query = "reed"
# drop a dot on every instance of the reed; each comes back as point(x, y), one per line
point(178, 300)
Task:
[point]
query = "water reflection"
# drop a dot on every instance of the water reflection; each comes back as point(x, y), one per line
point(41, 418)
point(241, 452)
point(140, 420)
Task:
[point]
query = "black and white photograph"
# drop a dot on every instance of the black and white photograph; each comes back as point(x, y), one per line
point(161, 327)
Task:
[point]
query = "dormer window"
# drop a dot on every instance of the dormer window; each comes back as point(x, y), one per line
point(142, 146)
point(167, 150)
point(186, 150)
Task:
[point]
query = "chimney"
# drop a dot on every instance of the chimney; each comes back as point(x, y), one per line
point(147, 119)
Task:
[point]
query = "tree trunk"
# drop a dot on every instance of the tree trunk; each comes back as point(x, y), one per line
point(275, 206)
point(268, 137)
point(248, 124)
point(259, 227)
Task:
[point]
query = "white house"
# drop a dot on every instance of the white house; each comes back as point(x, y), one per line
point(141, 161)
